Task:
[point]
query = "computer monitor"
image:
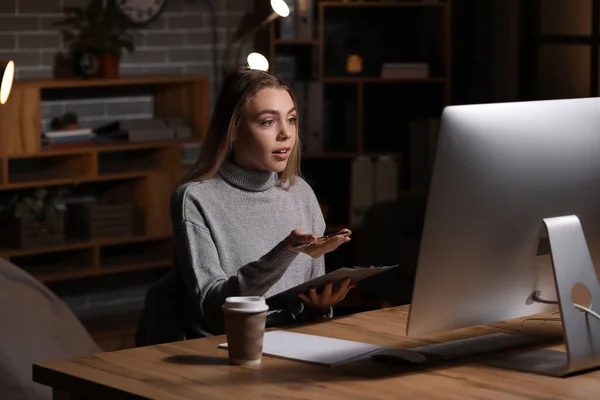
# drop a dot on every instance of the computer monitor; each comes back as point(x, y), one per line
point(499, 170)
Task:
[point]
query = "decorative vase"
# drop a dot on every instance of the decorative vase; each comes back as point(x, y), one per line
point(109, 66)
point(354, 64)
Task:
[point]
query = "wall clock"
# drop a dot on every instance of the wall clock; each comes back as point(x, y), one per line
point(86, 64)
point(141, 12)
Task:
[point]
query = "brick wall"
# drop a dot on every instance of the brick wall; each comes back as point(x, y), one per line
point(177, 43)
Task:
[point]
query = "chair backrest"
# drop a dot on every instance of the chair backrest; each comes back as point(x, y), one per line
point(390, 225)
point(163, 319)
point(35, 326)
point(391, 234)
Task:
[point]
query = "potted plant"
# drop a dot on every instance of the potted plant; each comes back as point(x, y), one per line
point(99, 30)
point(33, 221)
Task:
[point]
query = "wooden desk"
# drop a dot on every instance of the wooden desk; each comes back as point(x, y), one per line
point(197, 369)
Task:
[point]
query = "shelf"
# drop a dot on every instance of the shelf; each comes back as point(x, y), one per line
point(329, 155)
point(88, 272)
point(297, 42)
point(92, 164)
point(409, 193)
point(79, 245)
point(56, 264)
point(75, 180)
point(382, 154)
point(375, 79)
point(76, 260)
point(103, 148)
point(415, 3)
point(348, 155)
point(135, 160)
point(181, 97)
point(24, 171)
point(124, 81)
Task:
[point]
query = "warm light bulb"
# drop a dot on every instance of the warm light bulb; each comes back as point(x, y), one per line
point(280, 7)
point(257, 61)
point(7, 81)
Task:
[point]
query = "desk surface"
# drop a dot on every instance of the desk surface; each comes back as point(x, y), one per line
point(197, 369)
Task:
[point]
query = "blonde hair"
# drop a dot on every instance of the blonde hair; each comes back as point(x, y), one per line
point(238, 88)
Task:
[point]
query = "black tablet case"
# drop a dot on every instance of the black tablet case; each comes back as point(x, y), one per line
point(284, 298)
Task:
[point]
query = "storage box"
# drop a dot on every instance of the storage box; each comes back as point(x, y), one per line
point(17, 233)
point(100, 220)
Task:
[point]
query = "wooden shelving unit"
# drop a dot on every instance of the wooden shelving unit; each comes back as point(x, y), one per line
point(381, 109)
point(551, 32)
point(143, 174)
point(382, 104)
point(174, 97)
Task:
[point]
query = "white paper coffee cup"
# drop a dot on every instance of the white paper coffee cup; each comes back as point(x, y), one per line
point(245, 320)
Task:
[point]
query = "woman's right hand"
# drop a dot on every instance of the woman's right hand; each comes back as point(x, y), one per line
point(318, 247)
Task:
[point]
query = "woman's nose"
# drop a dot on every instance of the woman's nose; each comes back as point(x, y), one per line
point(286, 132)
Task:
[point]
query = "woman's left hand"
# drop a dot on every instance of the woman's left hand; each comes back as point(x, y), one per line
point(320, 303)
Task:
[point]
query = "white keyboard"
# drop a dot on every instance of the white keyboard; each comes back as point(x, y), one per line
point(475, 345)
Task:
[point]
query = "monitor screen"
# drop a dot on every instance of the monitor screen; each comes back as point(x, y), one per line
point(499, 170)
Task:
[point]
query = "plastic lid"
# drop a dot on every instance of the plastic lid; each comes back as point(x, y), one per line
point(249, 304)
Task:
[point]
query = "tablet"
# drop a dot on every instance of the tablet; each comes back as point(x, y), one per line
point(356, 274)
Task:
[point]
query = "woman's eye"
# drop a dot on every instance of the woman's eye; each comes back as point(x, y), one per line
point(292, 120)
point(268, 122)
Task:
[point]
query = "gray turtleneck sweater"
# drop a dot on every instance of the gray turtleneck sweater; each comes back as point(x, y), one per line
point(229, 232)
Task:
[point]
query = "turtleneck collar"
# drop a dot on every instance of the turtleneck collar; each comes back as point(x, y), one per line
point(253, 181)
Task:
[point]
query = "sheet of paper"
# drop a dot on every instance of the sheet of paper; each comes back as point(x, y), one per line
point(314, 349)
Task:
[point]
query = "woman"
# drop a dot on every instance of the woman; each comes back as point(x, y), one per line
point(239, 213)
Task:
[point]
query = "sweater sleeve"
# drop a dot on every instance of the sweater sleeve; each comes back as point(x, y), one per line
point(206, 281)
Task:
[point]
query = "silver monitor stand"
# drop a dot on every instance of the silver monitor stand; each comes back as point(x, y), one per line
point(572, 265)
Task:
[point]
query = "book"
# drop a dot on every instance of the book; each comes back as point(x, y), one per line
point(68, 133)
